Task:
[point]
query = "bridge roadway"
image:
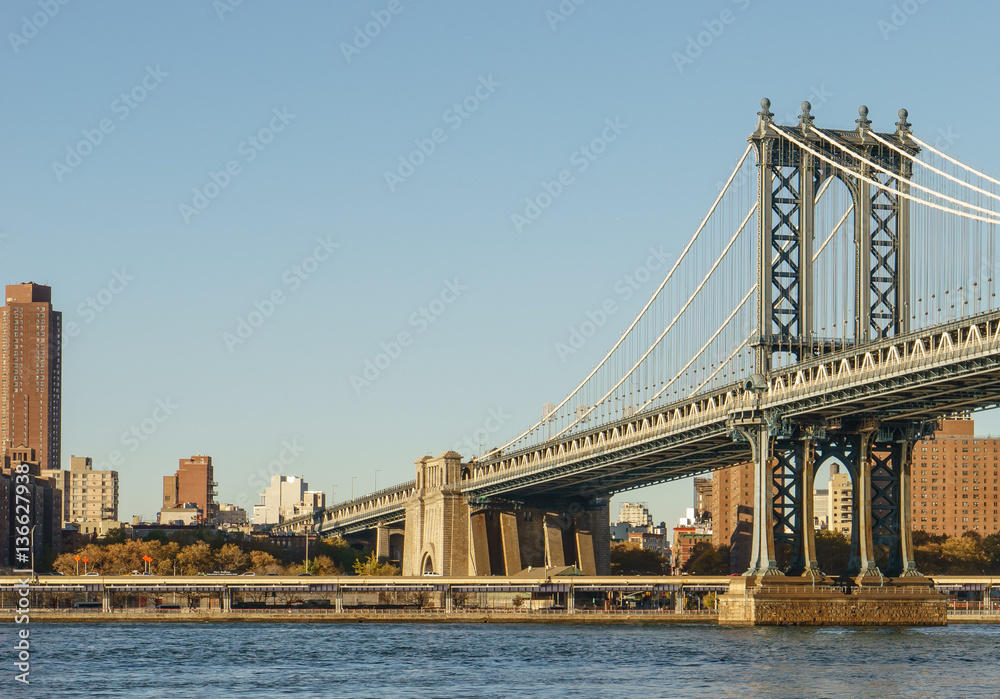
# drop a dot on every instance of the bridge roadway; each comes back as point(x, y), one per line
point(918, 376)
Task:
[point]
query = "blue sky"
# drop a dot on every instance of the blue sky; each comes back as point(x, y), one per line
point(287, 148)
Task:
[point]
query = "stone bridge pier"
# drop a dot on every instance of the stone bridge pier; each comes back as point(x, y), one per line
point(447, 535)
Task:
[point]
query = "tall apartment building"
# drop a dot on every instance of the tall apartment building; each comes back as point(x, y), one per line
point(955, 477)
point(194, 481)
point(30, 373)
point(732, 513)
point(636, 514)
point(703, 497)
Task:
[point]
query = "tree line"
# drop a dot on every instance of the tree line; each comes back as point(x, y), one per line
point(206, 551)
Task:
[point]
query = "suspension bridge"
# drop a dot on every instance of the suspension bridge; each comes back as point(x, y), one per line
point(836, 300)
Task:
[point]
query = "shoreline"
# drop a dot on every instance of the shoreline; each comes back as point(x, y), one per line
point(430, 617)
point(642, 618)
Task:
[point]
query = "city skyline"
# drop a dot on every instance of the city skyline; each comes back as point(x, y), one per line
point(265, 328)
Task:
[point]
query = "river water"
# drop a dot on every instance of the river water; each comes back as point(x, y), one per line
point(501, 660)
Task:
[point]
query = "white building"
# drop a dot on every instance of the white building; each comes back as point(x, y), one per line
point(285, 498)
point(840, 501)
point(821, 508)
point(637, 515)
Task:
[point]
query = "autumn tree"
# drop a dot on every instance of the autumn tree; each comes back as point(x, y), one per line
point(196, 558)
point(231, 557)
point(324, 565)
point(263, 563)
point(708, 560)
point(371, 566)
point(631, 559)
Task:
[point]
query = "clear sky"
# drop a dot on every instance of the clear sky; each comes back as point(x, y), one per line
point(239, 204)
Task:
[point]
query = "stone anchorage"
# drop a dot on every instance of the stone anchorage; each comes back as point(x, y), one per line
point(807, 601)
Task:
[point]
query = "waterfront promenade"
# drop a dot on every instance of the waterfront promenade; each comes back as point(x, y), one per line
point(541, 599)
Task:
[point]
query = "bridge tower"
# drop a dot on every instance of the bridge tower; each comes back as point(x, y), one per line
point(793, 164)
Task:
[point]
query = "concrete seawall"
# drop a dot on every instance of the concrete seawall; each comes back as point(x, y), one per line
point(355, 617)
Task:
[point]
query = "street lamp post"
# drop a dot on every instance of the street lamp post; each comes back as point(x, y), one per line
point(32, 535)
point(306, 530)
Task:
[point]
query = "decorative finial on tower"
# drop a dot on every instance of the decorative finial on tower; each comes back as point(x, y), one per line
point(806, 118)
point(864, 123)
point(903, 126)
point(765, 111)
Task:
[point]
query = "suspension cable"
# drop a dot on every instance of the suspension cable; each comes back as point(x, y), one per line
point(673, 322)
point(953, 161)
point(933, 169)
point(649, 303)
point(697, 354)
point(915, 185)
point(880, 185)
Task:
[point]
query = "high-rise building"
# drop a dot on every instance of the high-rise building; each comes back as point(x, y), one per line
point(193, 482)
point(636, 514)
point(287, 497)
point(955, 477)
point(703, 498)
point(92, 495)
point(732, 513)
point(30, 374)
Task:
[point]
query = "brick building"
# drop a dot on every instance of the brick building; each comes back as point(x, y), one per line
point(30, 374)
point(732, 513)
point(956, 476)
point(194, 482)
point(685, 539)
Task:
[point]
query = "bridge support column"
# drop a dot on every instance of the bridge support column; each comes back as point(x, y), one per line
point(794, 478)
point(554, 554)
point(382, 543)
point(339, 601)
point(863, 556)
point(892, 497)
point(480, 544)
point(227, 599)
point(510, 543)
point(908, 562)
point(449, 601)
point(807, 475)
point(762, 555)
point(105, 599)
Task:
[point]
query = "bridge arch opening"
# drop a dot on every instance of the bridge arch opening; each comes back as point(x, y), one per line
point(427, 565)
point(834, 249)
